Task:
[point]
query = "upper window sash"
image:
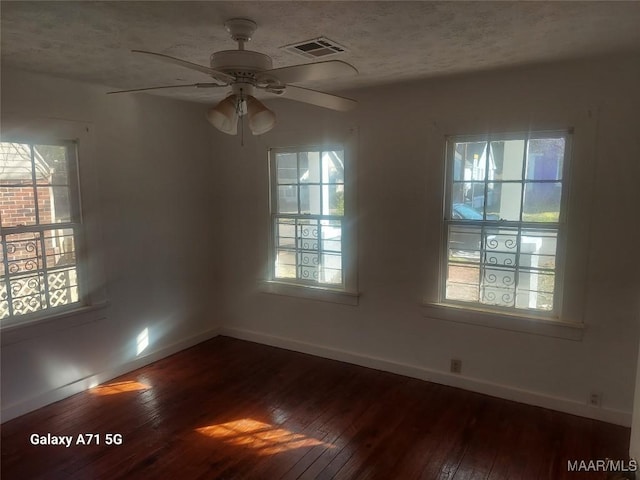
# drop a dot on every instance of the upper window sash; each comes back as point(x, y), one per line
point(482, 168)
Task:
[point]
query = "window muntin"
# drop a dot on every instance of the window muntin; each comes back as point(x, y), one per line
point(39, 228)
point(504, 221)
point(307, 214)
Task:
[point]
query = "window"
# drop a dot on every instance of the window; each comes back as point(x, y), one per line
point(307, 216)
point(39, 227)
point(504, 222)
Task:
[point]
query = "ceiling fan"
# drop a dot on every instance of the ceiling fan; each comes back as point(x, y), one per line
point(245, 71)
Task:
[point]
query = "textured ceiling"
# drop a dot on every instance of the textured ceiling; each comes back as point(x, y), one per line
point(387, 41)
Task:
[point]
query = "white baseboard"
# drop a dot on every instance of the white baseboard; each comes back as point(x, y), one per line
point(565, 405)
point(26, 406)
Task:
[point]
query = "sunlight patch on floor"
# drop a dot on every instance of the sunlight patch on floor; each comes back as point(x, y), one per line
point(119, 387)
point(265, 439)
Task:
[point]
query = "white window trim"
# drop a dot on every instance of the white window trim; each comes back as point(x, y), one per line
point(347, 293)
point(515, 322)
point(309, 292)
point(92, 291)
point(573, 320)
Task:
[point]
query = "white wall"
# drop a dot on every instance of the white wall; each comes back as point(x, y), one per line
point(148, 187)
point(400, 168)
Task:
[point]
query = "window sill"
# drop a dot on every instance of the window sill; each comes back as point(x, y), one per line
point(20, 330)
point(505, 321)
point(309, 292)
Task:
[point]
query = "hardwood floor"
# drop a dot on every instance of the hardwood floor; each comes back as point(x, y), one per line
point(229, 409)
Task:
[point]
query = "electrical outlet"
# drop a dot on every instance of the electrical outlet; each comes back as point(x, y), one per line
point(595, 399)
point(456, 365)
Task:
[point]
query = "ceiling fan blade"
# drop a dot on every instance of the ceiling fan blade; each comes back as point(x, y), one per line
point(319, 99)
point(307, 72)
point(197, 85)
point(222, 77)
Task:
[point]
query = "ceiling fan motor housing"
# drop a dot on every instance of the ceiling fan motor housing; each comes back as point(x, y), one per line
point(240, 63)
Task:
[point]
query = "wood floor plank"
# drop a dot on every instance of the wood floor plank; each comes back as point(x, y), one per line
point(230, 409)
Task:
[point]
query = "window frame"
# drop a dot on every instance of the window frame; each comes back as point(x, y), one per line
point(560, 227)
point(346, 292)
point(39, 130)
point(75, 224)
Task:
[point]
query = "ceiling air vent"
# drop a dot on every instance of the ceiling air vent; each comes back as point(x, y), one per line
point(316, 48)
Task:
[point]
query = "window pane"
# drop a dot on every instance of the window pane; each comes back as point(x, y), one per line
point(504, 201)
point(288, 199)
point(307, 233)
point(54, 205)
point(534, 300)
point(500, 258)
point(27, 293)
point(538, 250)
point(310, 201)
point(59, 248)
point(331, 236)
point(463, 283)
point(333, 166)
point(55, 159)
point(503, 239)
point(545, 158)
point(508, 156)
point(63, 287)
point(15, 163)
point(537, 263)
point(286, 233)
point(535, 290)
point(498, 287)
point(470, 161)
point(333, 199)
point(287, 166)
point(465, 241)
point(308, 268)
point(309, 167)
point(331, 258)
point(17, 204)
point(285, 264)
point(23, 253)
point(536, 281)
point(331, 268)
point(542, 202)
point(467, 201)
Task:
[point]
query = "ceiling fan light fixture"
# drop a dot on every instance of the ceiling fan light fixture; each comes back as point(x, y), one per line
point(224, 116)
point(261, 119)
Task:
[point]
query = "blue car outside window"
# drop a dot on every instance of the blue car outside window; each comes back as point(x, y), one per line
point(467, 212)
